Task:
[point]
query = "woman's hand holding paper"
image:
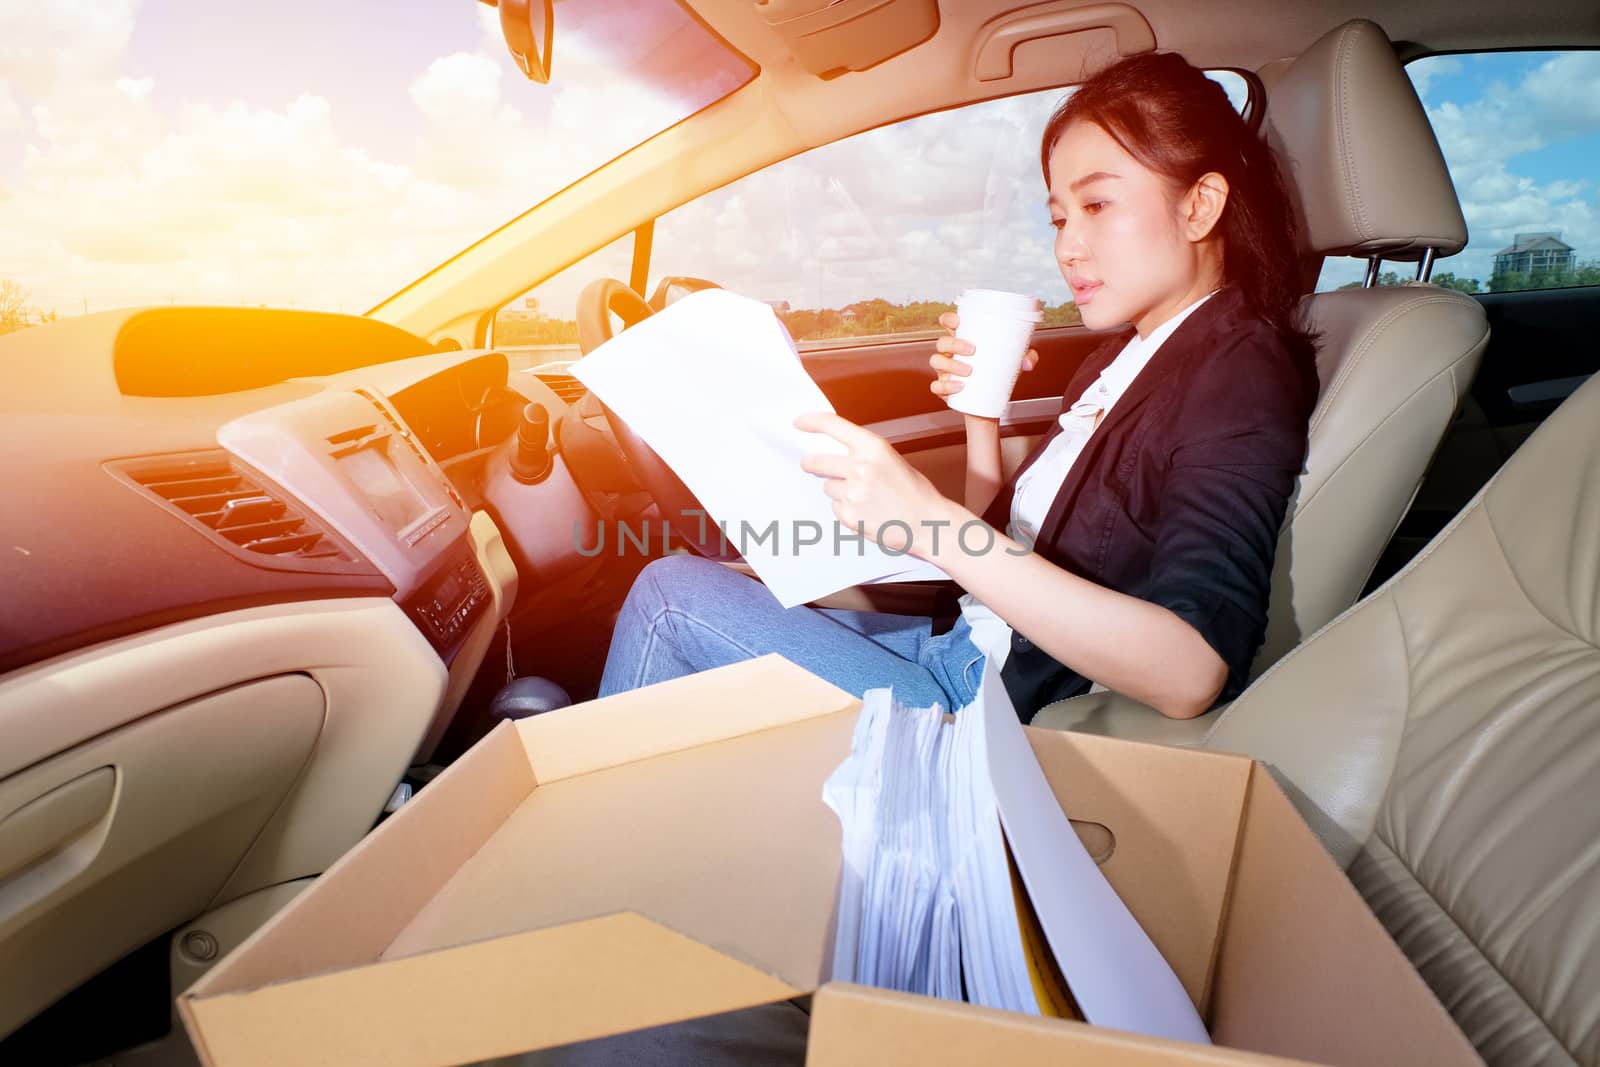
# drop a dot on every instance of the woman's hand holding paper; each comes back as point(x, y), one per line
point(874, 490)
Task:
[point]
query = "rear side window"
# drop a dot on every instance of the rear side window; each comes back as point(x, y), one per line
point(1520, 132)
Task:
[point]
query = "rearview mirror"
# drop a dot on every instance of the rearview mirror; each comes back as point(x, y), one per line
point(528, 27)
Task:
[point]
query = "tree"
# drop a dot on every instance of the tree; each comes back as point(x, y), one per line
point(1388, 277)
point(1510, 282)
point(1460, 285)
point(534, 330)
point(1587, 273)
point(878, 317)
point(1063, 314)
point(13, 306)
point(1446, 280)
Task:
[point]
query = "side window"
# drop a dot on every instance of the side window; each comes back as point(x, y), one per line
point(541, 325)
point(873, 237)
point(1520, 134)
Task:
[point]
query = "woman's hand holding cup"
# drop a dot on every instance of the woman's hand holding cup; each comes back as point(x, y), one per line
point(950, 370)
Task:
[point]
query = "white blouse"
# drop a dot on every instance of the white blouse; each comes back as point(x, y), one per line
point(1037, 488)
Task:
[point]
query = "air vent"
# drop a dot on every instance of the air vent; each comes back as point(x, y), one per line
point(396, 426)
point(565, 386)
point(210, 489)
point(383, 409)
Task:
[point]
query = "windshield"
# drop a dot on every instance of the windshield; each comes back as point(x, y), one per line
point(304, 153)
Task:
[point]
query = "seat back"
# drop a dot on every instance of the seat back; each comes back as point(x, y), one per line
point(1394, 362)
point(1394, 366)
point(1443, 738)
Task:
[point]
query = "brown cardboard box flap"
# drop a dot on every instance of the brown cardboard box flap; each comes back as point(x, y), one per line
point(679, 714)
point(1169, 819)
point(529, 991)
point(855, 1026)
point(728, 843)
point(1306, 969)
point(362, 906)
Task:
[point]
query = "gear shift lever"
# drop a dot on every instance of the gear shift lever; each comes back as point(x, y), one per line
point(528, 696)
point(530, 459)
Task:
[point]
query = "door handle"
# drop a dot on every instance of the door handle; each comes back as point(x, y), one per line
point(44, 825)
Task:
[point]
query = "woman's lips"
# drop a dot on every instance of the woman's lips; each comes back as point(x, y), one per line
point(1083, 292)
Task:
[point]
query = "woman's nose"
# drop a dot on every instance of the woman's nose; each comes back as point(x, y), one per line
point(1069, 246)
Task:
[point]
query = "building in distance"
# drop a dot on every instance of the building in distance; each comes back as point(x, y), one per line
point(1535, 253)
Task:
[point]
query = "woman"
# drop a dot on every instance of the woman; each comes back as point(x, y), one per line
point(1153, 504)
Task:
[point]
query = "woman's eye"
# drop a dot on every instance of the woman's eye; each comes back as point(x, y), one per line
point(1057, 223)
point(1093, 207)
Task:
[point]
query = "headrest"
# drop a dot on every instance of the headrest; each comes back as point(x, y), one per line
point(1361, 154)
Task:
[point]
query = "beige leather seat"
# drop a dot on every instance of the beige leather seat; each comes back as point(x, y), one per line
point(1443, 738)
point(1394, 362)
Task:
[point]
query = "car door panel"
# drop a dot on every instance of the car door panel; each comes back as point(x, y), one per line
point(871, 383)
point(884, 386)
point(1541, 348)
point(115, 841)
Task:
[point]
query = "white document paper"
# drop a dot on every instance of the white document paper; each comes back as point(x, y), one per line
point(925, 895)
point(925, 898)
point(713, 383)
point(1114, 970)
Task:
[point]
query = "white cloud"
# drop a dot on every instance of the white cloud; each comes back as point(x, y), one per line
point(1424, 71)
point(118, 200)
point(45, 46)
point(1561, 94)
point(10, 109)
point(915, 211)
point(461, 86)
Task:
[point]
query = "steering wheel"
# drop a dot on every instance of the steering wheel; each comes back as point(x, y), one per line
point(678, 506)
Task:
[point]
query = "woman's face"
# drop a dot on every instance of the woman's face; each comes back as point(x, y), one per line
point(1121, 241)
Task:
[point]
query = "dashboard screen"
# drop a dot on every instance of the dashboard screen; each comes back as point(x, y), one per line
point(449, 591)
point(397, 504)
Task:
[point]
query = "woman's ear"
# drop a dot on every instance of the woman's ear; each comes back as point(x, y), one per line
point(1202, 208)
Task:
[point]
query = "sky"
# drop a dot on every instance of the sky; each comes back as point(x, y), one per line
point(317, 155)
point(914, 211)
point(299, 153)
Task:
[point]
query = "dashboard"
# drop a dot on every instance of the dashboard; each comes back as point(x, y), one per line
point(139, 494)
point(350, 458)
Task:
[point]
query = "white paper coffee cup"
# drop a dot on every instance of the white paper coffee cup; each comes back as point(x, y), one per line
point(999, 326)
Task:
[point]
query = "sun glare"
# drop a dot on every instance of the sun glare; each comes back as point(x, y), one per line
point(303, 154)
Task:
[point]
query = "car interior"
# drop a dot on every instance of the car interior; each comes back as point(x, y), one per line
point(270, 571)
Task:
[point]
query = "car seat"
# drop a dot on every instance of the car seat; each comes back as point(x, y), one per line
point(1394, 362)
point(1442, 737)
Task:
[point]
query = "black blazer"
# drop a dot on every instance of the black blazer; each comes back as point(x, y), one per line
point(1179, 494)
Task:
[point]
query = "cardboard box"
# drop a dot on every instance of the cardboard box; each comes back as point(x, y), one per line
point(665, 854)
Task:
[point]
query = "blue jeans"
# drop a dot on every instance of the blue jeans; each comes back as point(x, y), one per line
point(686, 614)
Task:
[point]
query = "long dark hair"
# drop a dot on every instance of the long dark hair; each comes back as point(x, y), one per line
point(1179, 124)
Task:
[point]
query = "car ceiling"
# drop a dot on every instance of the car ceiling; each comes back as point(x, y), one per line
point(787, 110)
point(1244, 33)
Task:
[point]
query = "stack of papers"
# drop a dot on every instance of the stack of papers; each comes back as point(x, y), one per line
point(925, 903)
point(713, 383)
point(936, 819)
